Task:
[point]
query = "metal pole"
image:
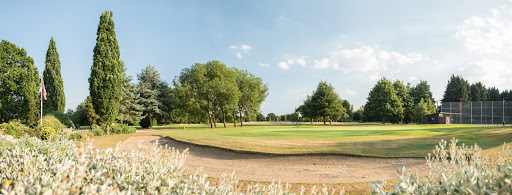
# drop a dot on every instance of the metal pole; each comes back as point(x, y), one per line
point(451, 110)
point(41, 99)
point(471, 107)
point(492, 112)
point(503, 117)
point(481, 113)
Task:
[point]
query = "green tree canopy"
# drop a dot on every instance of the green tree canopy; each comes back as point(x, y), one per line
point(19, 96)
point(56, 100)
point(326, 102)
point(105, 82)
point(493, 94)
point(149, 86)
point(205, 89)
point(478, 92)
point(252, 93)
point(383, 101)
point(130, 109)
point(457, 90)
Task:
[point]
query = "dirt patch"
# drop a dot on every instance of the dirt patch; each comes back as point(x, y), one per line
point(291, 169)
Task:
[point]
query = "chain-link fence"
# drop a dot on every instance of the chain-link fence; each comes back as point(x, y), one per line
point(484, 112)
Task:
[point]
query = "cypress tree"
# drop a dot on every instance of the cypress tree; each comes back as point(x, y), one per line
point(105, 82)
point(19, 88)
point(56, 100)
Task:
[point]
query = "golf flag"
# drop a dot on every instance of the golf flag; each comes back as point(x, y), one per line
point(44, 89)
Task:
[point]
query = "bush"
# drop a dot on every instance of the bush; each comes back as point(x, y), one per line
point(458, 170)
point(76, 136)
point(117, 128)
point(49, 128)
point(64, 119)
point(32, 166)
point(15, 129)
point(98, 132)
point(81, 136)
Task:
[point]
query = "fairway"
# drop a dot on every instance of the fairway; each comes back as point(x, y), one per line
point(375, 140)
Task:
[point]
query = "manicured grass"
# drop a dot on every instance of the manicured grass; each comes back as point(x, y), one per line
point(351, 138)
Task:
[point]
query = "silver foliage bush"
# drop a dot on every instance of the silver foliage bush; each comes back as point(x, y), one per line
point(32, 166)
point(457, 170)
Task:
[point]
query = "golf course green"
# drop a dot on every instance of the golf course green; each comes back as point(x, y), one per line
point(358, 139)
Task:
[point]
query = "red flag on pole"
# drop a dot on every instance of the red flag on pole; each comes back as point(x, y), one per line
point(44, 89)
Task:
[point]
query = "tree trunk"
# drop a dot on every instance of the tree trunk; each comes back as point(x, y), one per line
point(330, 121)
point(241, 119)
point(210, 119)
point(311, 120)
point(324, 120)
point(224, 118)
point(234, 119)
point(383, 122)
point(150, 122)
point(214, 121)
point(108, 129)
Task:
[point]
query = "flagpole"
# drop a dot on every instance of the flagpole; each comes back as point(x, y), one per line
point(41, 99)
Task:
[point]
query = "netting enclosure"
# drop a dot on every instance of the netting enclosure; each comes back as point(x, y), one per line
point(484, 112)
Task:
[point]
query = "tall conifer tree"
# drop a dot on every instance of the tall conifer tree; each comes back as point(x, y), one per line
point(53, 81)
point(105, 82)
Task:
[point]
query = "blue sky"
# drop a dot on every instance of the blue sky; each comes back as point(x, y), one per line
point(292, 45)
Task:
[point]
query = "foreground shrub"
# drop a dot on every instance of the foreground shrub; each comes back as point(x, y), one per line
point(458, 170)
point(33, 166)
point(64, 119)
point(49, 128)
point(15, 129)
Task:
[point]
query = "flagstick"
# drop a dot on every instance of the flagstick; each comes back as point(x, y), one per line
point(41, 100)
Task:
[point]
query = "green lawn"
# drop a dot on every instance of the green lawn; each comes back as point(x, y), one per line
point(350, 139)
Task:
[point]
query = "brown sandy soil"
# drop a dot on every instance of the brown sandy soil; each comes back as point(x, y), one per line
point(289, 169)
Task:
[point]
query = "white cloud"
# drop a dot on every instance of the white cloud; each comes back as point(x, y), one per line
point(263, 65)
point(488, 41)
point(413, 78)
point(321, 64)
point(302, 62)
point(289, 61)
point(239, 49)
point(366, 58)
point(283, 65)
point(349, 92)
point(374, 77)
point(245, 48)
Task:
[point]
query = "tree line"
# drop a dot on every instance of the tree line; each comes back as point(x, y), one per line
point(458, 89)
point(200, 94)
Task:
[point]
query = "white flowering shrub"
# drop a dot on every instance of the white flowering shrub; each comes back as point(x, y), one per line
point(458, 170)
point(33, 166)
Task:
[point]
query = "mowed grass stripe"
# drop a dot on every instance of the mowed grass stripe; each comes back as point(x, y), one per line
point(375, 140)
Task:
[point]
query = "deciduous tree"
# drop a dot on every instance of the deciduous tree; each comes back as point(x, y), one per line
point(252, 93)
point(383, 101)
point(19, 96)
